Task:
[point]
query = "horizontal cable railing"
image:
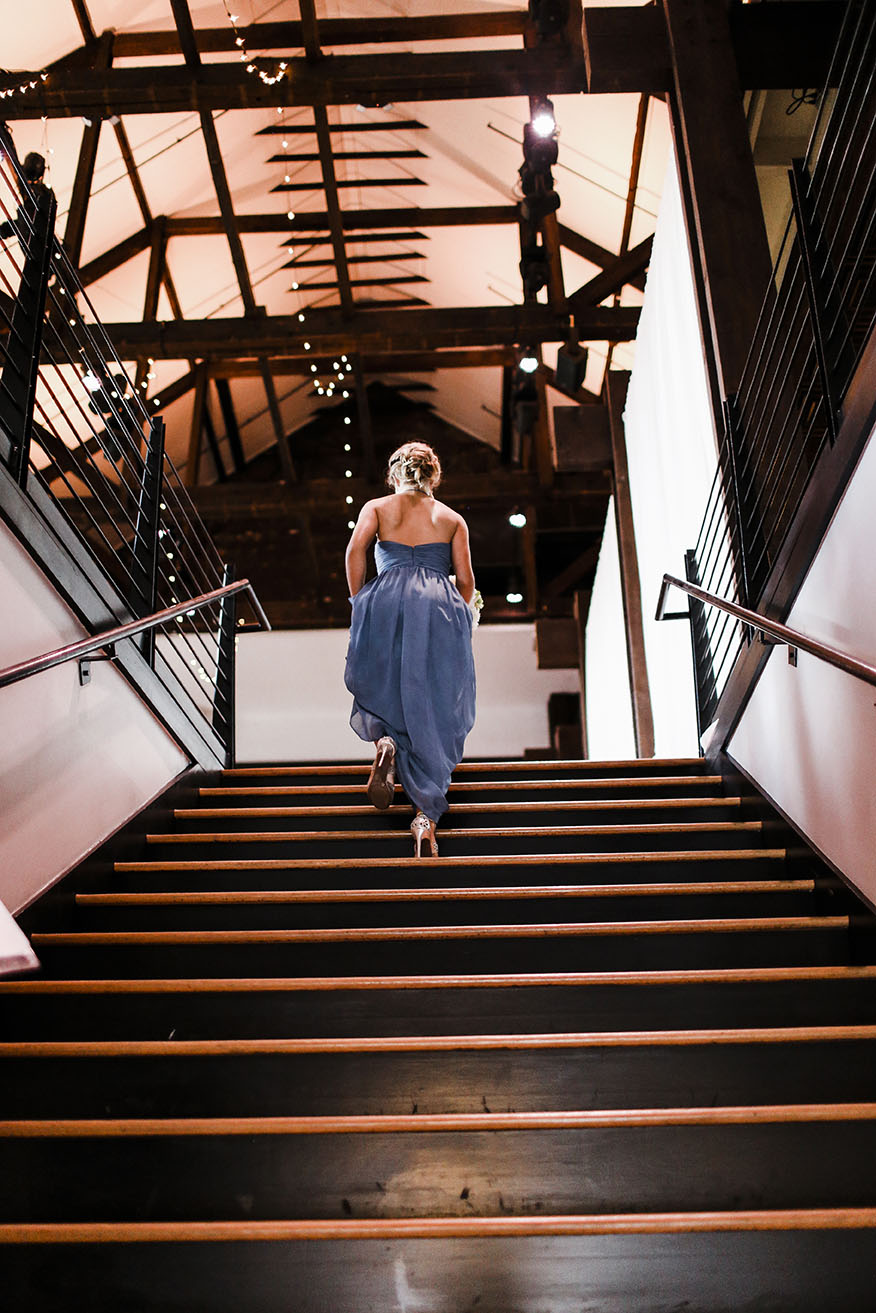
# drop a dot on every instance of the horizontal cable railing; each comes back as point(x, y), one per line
point(77, 430)
point(818, 315)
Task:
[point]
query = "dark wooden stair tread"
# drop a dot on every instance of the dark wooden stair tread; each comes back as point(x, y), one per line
point(359, 934)
point(438, 1123)
point(520, 831)
point(184, 1048)
point(534, 766)
point(424, 863)
point(474, 786)
point(479, 808)
point(466, 893)
point(525, 980)
point(778, 1219)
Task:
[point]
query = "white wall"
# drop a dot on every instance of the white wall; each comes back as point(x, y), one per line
point(292, 703)
point(808, 735)
point(610, 731)
point(671, 456)
point(75, 763)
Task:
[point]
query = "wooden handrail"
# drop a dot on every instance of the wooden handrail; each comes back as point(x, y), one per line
point(109, 637)
point(773, 628)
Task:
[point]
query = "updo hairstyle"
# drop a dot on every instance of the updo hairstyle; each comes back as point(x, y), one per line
point(414, 465)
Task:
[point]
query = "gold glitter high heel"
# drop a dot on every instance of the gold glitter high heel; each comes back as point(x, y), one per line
point(423, 828)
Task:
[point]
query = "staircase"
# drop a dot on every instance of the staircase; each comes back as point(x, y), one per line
point(614, 1050)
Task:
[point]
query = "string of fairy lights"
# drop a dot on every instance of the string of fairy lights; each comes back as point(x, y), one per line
point(248, 60)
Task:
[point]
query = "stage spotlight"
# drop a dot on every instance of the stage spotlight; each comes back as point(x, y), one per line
point(529, 361)
point(543, 123)
point(517, 519)
point(540, 149)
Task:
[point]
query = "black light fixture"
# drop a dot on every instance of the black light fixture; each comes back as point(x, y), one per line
point(539, 197)
point(571, 367)
point(540, 148)
point(543, 122)
point(549, 17)
point(534, 269)
point(524, 404)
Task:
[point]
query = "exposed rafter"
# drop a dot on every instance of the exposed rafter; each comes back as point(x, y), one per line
point(342, 80)
point(335, 32)
point(188, 44)
point(372, 331)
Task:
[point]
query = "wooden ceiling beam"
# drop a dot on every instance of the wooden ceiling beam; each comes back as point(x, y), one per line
point(468, 216)
point(370, 80)
point(116, 256)
point(74, 230)
point(229, 419)
point(365, 282)
point(371, 331)
point(310, 32)
point(333, 32)
point(626, 47)
point(311, 241)
point(264, 501)
point(310, 157)
point(620, 273)
point(387, 257)
point(402, 180)
point(345, 125)
point(189, 47)
point(596, 254)
point(406, 362)
point(630, 207)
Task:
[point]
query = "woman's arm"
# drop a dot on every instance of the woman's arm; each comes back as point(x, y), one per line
point(462, 567)
point(357, 548)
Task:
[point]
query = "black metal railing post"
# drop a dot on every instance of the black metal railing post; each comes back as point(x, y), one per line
point(35, 228)
point(734, 504)
point(223, 703)
point(706, 697)
point(144, 549)
point(807, 239)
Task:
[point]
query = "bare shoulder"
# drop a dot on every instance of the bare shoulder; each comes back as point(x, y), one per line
point(451, 517)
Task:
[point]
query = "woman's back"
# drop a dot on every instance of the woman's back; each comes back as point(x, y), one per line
point(412, 519)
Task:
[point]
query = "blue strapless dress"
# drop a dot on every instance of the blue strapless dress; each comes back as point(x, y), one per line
point(410, 667)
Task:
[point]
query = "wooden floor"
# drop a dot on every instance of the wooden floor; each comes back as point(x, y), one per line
point(615, 1050)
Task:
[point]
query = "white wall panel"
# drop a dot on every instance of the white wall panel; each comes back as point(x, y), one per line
point(292, 703)
point(75, 763)
point(808, 735)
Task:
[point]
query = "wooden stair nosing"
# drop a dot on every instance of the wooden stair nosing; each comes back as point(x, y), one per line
point(472, 786)
point(468, 893)
point(524, 980)
point(550, 805)
point(354, 768)
point(215, 1048)
point(450, 832)
point(424, 863)
point(786, 1219)
point(437, 1123)
point(372, 934)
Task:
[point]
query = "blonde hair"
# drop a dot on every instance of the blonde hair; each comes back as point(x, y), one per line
point(414, 464)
